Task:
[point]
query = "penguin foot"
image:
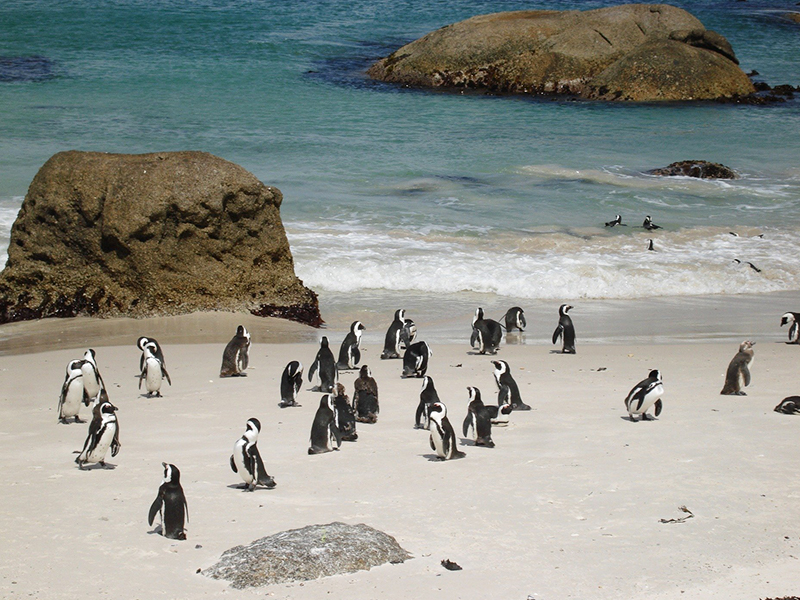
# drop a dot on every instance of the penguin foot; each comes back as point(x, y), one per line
point(520, 406)
point(158, 395)
point(741, 393)
point(79, 420)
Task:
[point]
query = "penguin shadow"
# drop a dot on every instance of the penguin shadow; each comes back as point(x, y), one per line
point(157, 530)
point(562, 352)
point(243, 487)
point(479, 353)
point(632, 420)
point(437, 458)
point(97, 466)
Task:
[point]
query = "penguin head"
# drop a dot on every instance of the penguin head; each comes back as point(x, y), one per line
point(149, 350)
point(427, 383)
point(563, 309)
point(328, 401)
point(171, 473)
point(140, 343)
point(655, 374)
point(474, 394)
point(478, 315)
point(365, 372)
point(254, 424)
point(102, 396)
point(787, 318)
point(356, 327)
point(340, 391)
point(500, 367)
point(323, 343)
point(240, 331)
point(89, 355)
point(106, 408)
point(75, 366)
point(746, 345)
point(400, 314)
point(437, 411)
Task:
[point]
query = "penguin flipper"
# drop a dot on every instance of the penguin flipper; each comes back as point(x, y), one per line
point(746, 375)
point(658, 407)
point(465, 426)
point(155, 508)
point(313, 369)
point(356, 355)
point(233, 465)
point(557, 333)
point(115, 445)
point(433, 446)
point(336, 434)
point(418, 415)
point(165, 374)
point(142, 376)
point(504, 395)
point(473, 340)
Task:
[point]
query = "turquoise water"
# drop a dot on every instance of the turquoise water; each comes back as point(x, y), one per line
point(395, 189)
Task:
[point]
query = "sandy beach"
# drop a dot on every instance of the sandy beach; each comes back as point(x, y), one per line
point(567, 505)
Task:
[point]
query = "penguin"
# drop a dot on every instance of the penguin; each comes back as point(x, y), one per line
point(478, 420)
point(617, 221)
point(325, 435)
point(645, 394)
point(499, 414)
point(393, 342)
point(650, 246)
point(246, 460)
point(515, 319)
point(486, 333)
point(792, 319)
point(72, 393)
point(344, 418)
point(427, 397)
point(103, 433)
point(365, 397)
point(503, 378)
point(349, 352)
point(158, 353)
point(236, 355)
point(323, 371)
point(443, 437)
point(92, 381)
point(153, 373)
point(789, 406)
point(649, 225)
point(171, 504)
point(415, 360)
point(408, 333)
point(738, 374)
point(291, 380)
point(565, 329)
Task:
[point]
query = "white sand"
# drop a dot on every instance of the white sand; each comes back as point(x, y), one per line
point(566, 506)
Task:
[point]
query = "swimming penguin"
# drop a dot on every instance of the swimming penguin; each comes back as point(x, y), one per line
point(153, 373)
point(236, 355)
point(92, 381)
point(515, 319)
point(427, 397)
point(246, 459)
point(478, 420)
point(323, 370)
point(171, 504)
point(157, 352)
point(565, 329)
point(738, 374)
point(291, 380)
point(325, 435)
point(503, 378)
point(349, 352)
point(789, 406)
point(393, 342)
point(415, 360)
point(649, 225)
point(344, 418)
point(645, 394)
point(72, 393)
point(650, 246)
point(792, 319)
point(103, 433)
point(443, 437)
point(365, 397)
point(486, 333)
point(617, 221)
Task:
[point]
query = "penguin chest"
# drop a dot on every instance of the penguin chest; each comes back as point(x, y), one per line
point(72, 398)
point(98, 453)
point(90, 380)
point(437, 440)
point(153, 377)
point(242, 464)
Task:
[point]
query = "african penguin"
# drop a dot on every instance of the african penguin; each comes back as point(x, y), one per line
point(246, 460)
point(499, 414)
point(323, 371)
point(427, 396)
point(515, 319)
point(789, 406)
point(738, 373)
point(153, 373)
point(171, 504)
point(503, 378)
point(103, 433)
point(649, 225)
point(408, 333)
point(617, 221)
point(645, 394)
point(157, 352)
point(325, 435)
point(92, 381)
point(72, 393)
point(792, 319)
point(478, 420)
point(393, 341)
point(349, 352)
point(415, 360)
point(565, 330)
point(365, 397)
point(486, 333)
point(650, 246)
point(345, 418)
point(236, 355)
point(291, 380)
point(443, 437)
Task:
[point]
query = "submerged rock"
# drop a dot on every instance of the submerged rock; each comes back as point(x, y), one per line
point(308, 553)
point(150, 234)
point(701, 169)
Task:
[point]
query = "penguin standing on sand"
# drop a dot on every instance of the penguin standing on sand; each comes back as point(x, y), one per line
point(503, 378)
point(103, 434)
point(246, 460)
point(515, 319)
point(645, 394)
point(443, 437)
point(427, 397)
point(394, 342)
point(738, 373)
point(789, 406)
point(323, 371)
point(486, 333)
point(153, 373)
point(344, 418)
point(415, 360)
point(349, 352)
point(291, 380)
point(72, 393)
point(565, 330)
point(236, 355)
point(92, 381)
point(155, 348)
point(325, 435)
point(171, 504)
point(478, 420)
point(792, 319)
point(365, 397)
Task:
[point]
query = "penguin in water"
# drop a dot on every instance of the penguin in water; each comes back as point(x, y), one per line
point(503, 378)
point(345, 419)
point(792, 319)
point(789, 406)
point(103, 434)
point(515, 319)
point(738, 373)
point(349, 352)
point(92, 381)
point(153, 373)
point(616, 221)
point(236, 355)
point(393, 342)
point(427, 397)
point(415, 360)
point(291, 380)
point(325, 435)
point(478, 420)
point(645, 394)
point(650, 246)
point(443, 437)
point(365, 397)
point(323, 371)
point(171, 504)
point(649, 225)
point(72, 393)
point(565, 330)
point(246, 460)
point(486, 333)
point(155, 348)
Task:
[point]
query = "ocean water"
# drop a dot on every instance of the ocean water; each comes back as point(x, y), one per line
point(391, 191)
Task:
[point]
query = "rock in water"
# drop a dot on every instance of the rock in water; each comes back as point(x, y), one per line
point(307, 553)
point(150, 234)
point(702, 169)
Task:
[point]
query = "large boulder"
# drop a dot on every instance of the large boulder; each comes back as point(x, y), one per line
point(702, 169)
point(149, 234)
point(640, 52)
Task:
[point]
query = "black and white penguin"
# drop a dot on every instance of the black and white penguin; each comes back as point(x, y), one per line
point(157, 352)
point(738, 373)
point(415, 360)
point(515, 319)
point(236, 355)
point(246, 460)
point(650, 246)
point(103, 434)
point(500, 413)
point(408, 333)
point(792, 319)
point(617, 221)
point(645, 394)
point(72, 393)
point(344, 418)
point(478, 420)
point(365, 397)
point(323, 372)
point(393, 342)
point(565, 330)
point(649, 225)
point(427, 397)
point(503, 378)
point(486, 333)
point(92, 381)
point(291, 380)
point(349, 352)
point(325, 435)
point(789, 406)
point(443, 437)
point(171, 504)
point(153, 373)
